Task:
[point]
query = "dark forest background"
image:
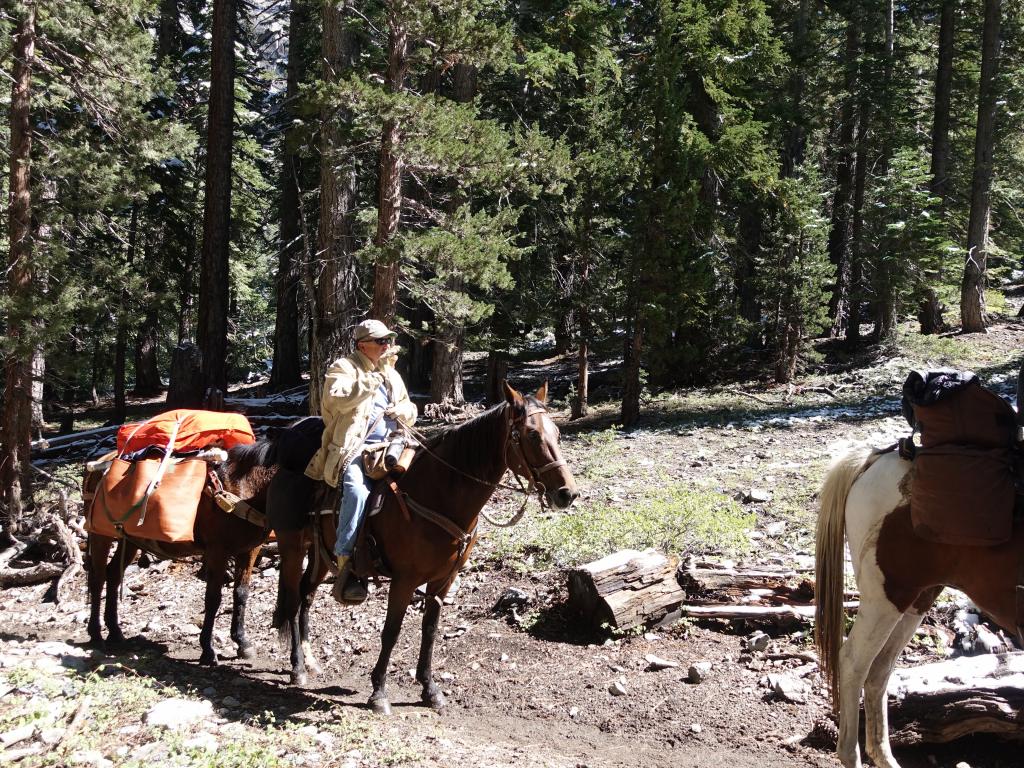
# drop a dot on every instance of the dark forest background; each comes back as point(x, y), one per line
point(200, 192)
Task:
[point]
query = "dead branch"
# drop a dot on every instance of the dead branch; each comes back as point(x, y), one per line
point(762, 400)
point(69, 544)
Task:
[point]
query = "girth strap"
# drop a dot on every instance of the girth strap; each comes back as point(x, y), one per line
point(464, 538)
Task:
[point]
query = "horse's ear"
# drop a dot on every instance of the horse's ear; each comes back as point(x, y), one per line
point(511, 396)
point(542, 393)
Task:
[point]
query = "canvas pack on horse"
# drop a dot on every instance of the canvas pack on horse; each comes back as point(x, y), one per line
point(121, 493)
point(915, 524)
point(426, 526)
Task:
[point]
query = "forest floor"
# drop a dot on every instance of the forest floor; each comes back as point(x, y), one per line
point(530, 688)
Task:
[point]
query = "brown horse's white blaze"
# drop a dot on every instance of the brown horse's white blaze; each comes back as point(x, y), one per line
point(899, 576)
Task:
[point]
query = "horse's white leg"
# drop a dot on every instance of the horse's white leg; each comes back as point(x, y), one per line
point(876, 710)
point(311, 663)
point(870, 632)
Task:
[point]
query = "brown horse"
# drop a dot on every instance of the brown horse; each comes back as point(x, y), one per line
point(866, 496)
point(426, 532)
point(218, 536)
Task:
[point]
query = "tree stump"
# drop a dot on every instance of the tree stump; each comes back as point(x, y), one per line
point(936, 703)
point(497, 372)
point(186, 385)
point(625, 590)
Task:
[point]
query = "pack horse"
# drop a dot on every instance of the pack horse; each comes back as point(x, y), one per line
point(166, 491)
point(886, 505)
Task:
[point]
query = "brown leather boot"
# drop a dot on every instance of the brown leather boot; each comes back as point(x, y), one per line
point(348, 588)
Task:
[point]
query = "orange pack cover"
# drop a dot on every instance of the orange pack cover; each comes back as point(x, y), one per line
point(196, 430)
point(169, 514)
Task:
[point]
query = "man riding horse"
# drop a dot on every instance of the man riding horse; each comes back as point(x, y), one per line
point(363, 401)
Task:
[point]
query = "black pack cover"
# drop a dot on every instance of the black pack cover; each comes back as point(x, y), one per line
point(963, 486)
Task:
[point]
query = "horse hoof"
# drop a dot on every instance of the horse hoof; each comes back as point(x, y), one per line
point(115, 640)
point(380, 706)
point(298, 678)
point(246, 651)
point(436, 701)
point(208, 659)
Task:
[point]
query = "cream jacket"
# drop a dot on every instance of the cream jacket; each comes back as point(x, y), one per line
point(345, 405)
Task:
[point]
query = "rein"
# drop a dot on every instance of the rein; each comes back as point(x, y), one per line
point(534, 482)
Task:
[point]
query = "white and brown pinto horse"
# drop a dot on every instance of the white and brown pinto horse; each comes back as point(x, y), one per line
point(899, 575)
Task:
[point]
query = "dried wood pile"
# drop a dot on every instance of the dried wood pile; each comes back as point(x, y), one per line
point(630, 588)
point(945, 700)
point(626, 589)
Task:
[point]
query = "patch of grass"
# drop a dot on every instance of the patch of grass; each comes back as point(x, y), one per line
point(672, 517)
point(941, 350)
point(597, 455)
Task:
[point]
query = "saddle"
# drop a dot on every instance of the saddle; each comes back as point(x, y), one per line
point(968, 467)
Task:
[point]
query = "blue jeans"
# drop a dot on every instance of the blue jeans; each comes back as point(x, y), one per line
point(355, 490)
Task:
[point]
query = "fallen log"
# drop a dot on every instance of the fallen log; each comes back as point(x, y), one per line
point(940, 702)
point(730, 580)
point(23, 577)
point(755, 611)
point(626, 589)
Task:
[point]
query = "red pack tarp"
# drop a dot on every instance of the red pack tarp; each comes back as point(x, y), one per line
point(195, 430)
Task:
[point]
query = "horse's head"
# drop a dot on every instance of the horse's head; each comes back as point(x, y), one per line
point(533, 448)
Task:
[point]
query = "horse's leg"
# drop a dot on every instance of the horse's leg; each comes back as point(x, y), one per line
point(99, 549)
point(316, 571)
point(216, 562)
point(871, 631)
point(291, 547)
point(876, 711)
point(123, 555)
point(399, 597)
point(244, 564)
point(431, 614)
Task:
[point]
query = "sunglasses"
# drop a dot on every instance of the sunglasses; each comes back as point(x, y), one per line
point(381, 342)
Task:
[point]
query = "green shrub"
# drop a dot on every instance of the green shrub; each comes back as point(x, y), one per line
point(673, 518)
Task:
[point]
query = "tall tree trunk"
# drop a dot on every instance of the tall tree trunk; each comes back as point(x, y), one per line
point(120, 354)
point(943, 92)
point(930, 310)
point(581, 402)
point(335, 308)
point(446, 376)
point(16, 434)
point(186, 293)
point(840, 231)
point(972, 288)
point(885, 290)
point(632, 383)
point(795, 136)
point(214, 279)
point(147, 371)
point(389, 207)
point(168, 37)
point(286, 371)
point(857, 246)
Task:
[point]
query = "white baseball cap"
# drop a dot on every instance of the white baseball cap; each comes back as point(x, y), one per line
point(372, 329)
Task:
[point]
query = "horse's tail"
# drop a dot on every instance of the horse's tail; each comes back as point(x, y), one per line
point(829, 617)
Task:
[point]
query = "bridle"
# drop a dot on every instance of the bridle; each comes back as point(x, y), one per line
point(515, 439)
point(533, 482)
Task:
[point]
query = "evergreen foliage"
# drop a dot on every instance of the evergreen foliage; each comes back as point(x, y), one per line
point(682, 184)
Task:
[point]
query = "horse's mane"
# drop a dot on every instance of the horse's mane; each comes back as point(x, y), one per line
point(470, 446)
point(293, 445)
